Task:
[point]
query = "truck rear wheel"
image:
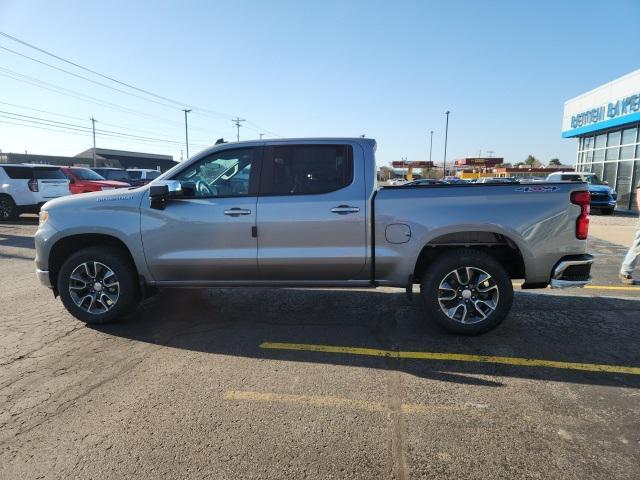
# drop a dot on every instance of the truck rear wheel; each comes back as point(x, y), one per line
point(98, 285)
point(467, 291)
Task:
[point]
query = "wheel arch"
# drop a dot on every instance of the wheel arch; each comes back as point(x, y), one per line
point(64, 247)
point(495, 244)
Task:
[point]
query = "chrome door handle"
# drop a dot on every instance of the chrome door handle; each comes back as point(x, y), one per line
point(236, 212)
point(345, 209)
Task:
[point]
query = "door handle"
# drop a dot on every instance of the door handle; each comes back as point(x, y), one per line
point(345, 209)
point(236, 212)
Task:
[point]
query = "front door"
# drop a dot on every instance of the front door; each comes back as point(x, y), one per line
point(312, 213)
point(207, 234)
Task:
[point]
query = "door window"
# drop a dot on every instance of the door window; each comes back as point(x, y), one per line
point(307, 169)
point(228, 173)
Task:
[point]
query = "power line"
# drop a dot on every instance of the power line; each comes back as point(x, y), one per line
point(107, 77)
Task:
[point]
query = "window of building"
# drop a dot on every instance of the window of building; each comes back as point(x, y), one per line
point(629, 136)
point(614, 138)
point(597, 168)
point(601, 140)
point(588, 143)
point(610, 173)
point(307, 169)
point(598, 155)
point(612, 153)
point(627, 152)
point(623, 185)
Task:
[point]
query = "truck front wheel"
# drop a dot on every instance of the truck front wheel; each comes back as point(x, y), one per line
point(467, 291)
point(98, 285)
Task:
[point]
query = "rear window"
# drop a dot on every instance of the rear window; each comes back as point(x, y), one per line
point(307, 169)
point(135, 175)
point(48, 174)
point(152, 175)
point(23, 173)
point(119, 175)
point(86, 174)
point(571, 178)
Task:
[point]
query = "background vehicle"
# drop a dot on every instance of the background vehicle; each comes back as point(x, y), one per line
point(83, 180)
point(306, 213)
point(497, 180)
point(424, 181)
point(603, 197)
point(141, 176)
point(25, 188)
point(117, 174)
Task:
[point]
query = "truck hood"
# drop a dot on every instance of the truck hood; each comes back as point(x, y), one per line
point(110, 199)
point(599, 188)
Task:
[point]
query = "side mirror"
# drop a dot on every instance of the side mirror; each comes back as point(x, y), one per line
point(161, 191)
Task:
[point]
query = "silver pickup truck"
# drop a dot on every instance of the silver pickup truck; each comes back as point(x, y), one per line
point(307, 213)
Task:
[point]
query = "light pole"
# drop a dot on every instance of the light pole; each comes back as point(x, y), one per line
point(93, 126)
point(446, 134)
point(186, 130)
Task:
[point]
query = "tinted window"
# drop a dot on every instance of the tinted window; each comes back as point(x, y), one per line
point(119, 175)
point(48, 173)
point(307, 169)
point(572, 178)
point(23, 173)
point(86, 174)
point(221, 174)
point(152, 175)
point(135, 175)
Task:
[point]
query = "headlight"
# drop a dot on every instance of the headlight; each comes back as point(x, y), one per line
point(43, 217)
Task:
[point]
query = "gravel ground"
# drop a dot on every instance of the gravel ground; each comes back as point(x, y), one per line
point(184, 390)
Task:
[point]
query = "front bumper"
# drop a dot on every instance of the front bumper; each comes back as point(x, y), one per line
point(572, 271)
point(43, 277)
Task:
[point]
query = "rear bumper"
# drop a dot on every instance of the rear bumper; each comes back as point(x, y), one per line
point(572, 271)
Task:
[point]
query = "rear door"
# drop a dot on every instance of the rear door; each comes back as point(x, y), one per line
point(52, 183)
point(209, 233)
point(312, 213)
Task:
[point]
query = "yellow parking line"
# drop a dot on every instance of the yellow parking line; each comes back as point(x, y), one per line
point(600, 287)
point(456, 357)
point(341, 402)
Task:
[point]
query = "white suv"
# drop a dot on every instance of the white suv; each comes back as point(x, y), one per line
point(24, 188)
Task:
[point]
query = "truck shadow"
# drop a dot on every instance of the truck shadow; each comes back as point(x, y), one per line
point(575, 329)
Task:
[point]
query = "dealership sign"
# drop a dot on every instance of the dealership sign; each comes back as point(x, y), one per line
point(615, 109)
point(407, 164)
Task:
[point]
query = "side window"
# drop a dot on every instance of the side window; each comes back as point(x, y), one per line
point(307, 169)
point(22, 173)
point(222, 174)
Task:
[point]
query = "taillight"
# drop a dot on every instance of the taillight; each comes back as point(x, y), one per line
point(33, 185)
point(582, 199)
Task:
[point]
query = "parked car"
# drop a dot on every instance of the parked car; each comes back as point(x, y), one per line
point(141, 176)
point(83, 180)
point(25, 188)
point(423, 181)
point(497, 180)
point(109, 173)
point(603, 197)
point(306, 213)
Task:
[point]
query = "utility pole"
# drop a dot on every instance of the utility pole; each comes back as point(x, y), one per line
point(186, 130)
point(261, 135)
point(93, 126)
point(446, 134)
point(431, 145)
point(237, 121)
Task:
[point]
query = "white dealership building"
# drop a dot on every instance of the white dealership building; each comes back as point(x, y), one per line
point(606, 122)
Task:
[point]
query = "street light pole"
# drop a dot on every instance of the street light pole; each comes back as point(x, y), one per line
point(431, 145)
point(93, 126)
point(446, 134)
point(186, 130)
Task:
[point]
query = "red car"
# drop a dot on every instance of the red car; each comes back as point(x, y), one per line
point(82, 180)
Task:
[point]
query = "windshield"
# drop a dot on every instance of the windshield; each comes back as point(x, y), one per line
point(86, 174)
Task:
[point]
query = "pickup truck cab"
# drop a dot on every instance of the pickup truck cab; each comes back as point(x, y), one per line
point(84, 180)
point(307, 213)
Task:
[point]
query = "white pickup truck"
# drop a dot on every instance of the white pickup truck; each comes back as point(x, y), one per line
point(307, 213)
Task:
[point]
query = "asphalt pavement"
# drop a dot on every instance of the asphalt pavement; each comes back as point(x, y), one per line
point(300, 383)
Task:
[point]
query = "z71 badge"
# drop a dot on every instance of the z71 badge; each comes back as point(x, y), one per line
point(537, 189)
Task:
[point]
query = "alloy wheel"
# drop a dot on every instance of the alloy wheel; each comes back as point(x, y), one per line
point(94, 287)
point(468, 295)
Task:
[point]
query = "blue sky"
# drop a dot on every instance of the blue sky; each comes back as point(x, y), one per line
point(385, 69)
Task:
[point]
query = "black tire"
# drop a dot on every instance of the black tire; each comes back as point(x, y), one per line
point(114, 259)
point(480, 263)
point(8, 209)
